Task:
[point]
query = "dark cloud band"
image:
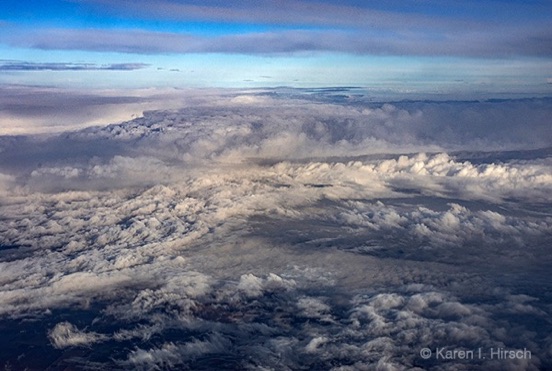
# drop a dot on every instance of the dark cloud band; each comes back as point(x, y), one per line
point(473, 43)
point(33, 66)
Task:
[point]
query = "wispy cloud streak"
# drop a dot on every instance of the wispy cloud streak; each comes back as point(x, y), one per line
point(345, 14)
point(473, 43)
point(33, 66)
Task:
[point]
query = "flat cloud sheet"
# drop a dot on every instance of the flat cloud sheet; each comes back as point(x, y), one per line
point(282, 230)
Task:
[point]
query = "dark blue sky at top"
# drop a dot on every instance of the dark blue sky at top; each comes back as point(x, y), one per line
point(69, 14)
point(91, 13)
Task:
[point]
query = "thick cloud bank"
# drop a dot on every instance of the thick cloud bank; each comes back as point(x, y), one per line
point(275, 232)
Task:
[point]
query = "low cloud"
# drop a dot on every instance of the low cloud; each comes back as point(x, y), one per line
point(250, 230)
point(32, 110)
point(65, 335)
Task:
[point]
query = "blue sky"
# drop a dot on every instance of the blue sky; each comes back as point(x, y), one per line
point(438, 46)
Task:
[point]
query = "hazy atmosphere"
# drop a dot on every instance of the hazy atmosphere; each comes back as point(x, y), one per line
point(275, 185)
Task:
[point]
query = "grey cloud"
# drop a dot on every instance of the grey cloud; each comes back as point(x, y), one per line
point(31, 110)
point(285, 12)
point(475, 44)
point(396, 16)
point(367, 28)
point(37, 102)
point(130, 41)
point(124, 66)
point(33, 66)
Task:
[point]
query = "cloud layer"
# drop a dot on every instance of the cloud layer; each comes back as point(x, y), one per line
point(479, 44)
point(33, 109)
point(295, 26)
point(30, 66)
point(250, 231)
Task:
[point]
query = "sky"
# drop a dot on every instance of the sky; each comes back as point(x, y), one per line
point(497, 46)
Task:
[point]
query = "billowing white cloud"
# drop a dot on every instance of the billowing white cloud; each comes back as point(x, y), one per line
point(64, 335)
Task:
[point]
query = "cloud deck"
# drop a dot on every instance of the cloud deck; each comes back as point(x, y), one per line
point(327, 235)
